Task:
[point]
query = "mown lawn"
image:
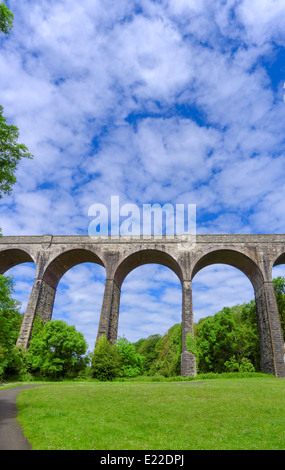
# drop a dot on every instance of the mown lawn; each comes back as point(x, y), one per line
point(215, 414)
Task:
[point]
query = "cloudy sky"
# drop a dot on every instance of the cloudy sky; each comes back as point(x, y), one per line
point(156, 101)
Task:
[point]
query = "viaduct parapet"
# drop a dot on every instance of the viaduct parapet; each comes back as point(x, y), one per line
point(254, 255)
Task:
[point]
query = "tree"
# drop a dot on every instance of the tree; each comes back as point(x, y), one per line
point(233, 366)
point(11, 153)
point(105, 361)
point(233, 332)
point(279, 288)
point(169, 349)
point(216, 341)
point(148, 350)
point(10, 323)
point(6, 19)
point(246, 322)
point(57, 350)
point(131, 362)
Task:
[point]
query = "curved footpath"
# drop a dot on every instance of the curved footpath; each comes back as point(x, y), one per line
point(11, 434)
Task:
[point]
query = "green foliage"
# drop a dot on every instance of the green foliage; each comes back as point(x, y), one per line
point(245, 365)
point(105, 361)
point(214, 338)
point(131, 362)
point(191, 344)
point(279, 288)
point(38, 326)
point(246, 318)
point(169, 349)
point(10, 323)
point(231, 332)
point(11, 153)
point(17, 366)
point(57, 350)
point(232, 365)
point(148, 350)
point(6, 19)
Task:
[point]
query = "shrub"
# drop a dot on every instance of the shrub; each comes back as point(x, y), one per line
point(131, 362)
point(245, 365)
point(105, 361)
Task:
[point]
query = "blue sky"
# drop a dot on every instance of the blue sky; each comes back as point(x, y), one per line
point(154, 101)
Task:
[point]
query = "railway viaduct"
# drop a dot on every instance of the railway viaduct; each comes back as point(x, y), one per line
point(254, 255)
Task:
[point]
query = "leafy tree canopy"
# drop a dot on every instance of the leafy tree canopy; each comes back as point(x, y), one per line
point(131, 362)
point(105, 361)
point(148, 350)
point(11, 153)
point(6, 19)
point(10, 322)
point(57, 350)
point(169, 349)
point(231, 332)
point(279, 288)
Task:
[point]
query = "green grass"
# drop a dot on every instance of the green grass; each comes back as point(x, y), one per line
point(216, 414)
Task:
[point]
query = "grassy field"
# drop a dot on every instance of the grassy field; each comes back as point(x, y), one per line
point(214, 414)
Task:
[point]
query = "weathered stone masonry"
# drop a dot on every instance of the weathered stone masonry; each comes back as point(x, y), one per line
point(254, 255)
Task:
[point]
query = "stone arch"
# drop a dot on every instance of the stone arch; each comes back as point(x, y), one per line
point(279, 260)
point(110, 309)
point(142, 257)
point(270, 337)
point(12, 257)
point(234, 258)
point(42, 297)
point(67, 260)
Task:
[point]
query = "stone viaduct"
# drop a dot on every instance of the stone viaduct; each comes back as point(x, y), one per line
point(254, 255)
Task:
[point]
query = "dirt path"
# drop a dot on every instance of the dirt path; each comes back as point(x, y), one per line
point(11, 435)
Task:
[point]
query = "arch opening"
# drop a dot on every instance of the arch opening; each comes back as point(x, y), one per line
point(23, 275)
point(232, 258)
point(218, 286)
point(224, 283)
point(142, 257)
point(78, 299)
point(280, 260)
point(67, 260)
point(13, 257)
point(19, 264)
point(151, 302)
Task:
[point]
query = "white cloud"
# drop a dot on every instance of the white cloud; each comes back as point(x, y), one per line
point(263, 19)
